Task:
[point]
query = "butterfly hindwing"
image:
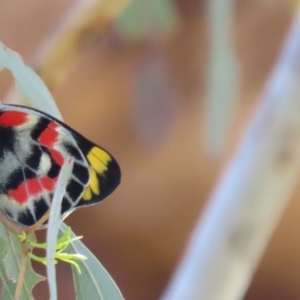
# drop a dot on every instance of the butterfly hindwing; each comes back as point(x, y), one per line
point(33, 149)
point(103, 169)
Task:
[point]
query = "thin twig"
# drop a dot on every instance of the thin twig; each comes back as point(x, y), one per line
point(22, 270)
point(39, 223)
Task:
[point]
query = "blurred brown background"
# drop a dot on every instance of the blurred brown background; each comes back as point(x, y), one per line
point(141, 99)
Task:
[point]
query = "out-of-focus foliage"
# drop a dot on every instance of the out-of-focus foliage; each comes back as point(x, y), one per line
point(142, 18)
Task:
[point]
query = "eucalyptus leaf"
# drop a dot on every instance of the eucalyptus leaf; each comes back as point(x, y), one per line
point(54, 224)
point(10, 255)
point(8, 284)
point(28, 82)
point(94, 282)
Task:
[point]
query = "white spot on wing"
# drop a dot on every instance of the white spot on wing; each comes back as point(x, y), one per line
point(45, 164)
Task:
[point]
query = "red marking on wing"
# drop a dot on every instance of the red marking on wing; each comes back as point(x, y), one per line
point(49, 135)
point(19, 194)
point(34, 187)
point(48, 183)
point(57, 156)
point(47, 138)
point(52, 126)
point(13, 118)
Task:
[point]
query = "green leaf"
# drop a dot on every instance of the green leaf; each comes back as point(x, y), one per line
point(94, 282)
point(10, 255)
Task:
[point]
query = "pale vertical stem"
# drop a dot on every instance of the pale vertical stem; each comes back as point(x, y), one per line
point(54, 224)
point(222, 75)
point(248, 202)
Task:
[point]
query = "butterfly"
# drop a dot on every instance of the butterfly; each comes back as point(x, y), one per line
point(33, 149)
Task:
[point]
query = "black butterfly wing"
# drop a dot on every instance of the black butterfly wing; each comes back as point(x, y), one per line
point(48, 143)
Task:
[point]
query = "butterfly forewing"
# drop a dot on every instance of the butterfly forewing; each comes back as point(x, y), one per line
point(33, 149)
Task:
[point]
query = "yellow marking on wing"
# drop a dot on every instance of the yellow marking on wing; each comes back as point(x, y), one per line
point(87, 194)
point(94, 182)
point(99, 159)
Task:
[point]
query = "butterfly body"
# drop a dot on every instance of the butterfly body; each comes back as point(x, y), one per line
point(33, 148)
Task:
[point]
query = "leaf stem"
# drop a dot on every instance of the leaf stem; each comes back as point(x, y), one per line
point(21, 271)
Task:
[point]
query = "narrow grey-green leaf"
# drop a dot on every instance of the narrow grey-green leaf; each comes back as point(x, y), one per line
point(28, 82)
point(94, 282)
point(10, 267)
point(54, 224)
